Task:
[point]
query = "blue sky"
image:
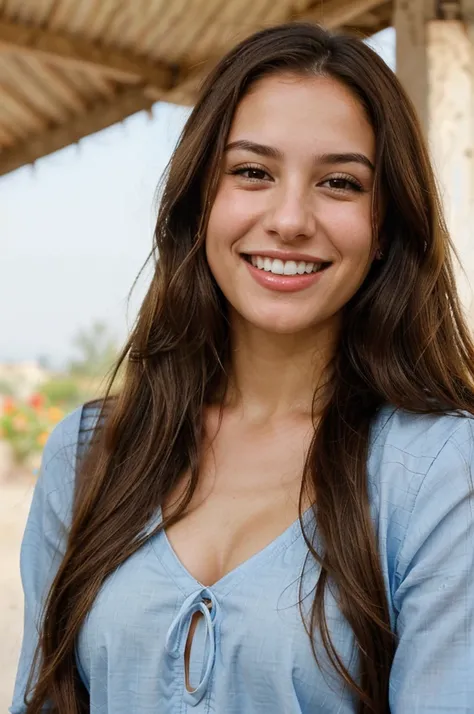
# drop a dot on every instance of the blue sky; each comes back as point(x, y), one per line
point(77, 227)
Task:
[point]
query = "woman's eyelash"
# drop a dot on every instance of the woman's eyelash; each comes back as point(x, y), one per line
point(241, 170)
point(354, 185)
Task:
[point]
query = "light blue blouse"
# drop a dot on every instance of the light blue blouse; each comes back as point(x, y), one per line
point(251, 654)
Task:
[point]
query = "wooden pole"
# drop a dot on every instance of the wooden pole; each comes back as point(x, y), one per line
point(435, 64)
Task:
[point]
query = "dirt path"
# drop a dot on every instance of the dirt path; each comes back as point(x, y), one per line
point(15, 498)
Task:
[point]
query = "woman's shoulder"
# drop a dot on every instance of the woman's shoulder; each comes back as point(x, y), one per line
point(422, 501)
point(63, 448)
point(420, 466)
point(422, 439)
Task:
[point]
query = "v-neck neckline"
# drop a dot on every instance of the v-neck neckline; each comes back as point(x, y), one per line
point(188, 583)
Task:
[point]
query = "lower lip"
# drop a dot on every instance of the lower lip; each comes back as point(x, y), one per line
point(283, 283)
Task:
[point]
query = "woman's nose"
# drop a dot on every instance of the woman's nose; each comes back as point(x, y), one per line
point(290, 215)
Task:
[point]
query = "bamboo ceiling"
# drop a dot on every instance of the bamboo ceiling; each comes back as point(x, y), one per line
point(69, 68)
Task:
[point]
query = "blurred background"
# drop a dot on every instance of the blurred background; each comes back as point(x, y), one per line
point(93, 96)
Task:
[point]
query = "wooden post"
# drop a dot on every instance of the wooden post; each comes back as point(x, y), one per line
point(468, 14)
point(435, 62)
point(410, 21)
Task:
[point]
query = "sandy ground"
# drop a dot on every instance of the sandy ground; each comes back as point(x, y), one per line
point(15, 498)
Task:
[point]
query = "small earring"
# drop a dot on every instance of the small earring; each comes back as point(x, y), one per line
point(378, 254)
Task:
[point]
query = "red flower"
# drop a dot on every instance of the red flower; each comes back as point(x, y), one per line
point(36, 401)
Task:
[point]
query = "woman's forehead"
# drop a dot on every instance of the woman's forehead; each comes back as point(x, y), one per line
point(290, 110)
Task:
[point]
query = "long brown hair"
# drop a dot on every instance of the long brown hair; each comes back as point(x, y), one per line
point(404, 341)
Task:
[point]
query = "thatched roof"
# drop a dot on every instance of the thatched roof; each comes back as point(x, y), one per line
point(69, 68)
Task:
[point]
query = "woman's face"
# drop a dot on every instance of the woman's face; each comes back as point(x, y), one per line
point(289, 239)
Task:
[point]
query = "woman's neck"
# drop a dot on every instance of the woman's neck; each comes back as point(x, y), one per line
point(274, 375)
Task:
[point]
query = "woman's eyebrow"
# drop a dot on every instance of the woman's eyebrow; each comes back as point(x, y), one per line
point(270, 152)
point(347, 158)
point(261, 149)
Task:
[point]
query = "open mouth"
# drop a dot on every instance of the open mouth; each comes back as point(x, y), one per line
point(289, 268)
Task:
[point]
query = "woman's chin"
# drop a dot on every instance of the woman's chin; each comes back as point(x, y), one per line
point(278, 323)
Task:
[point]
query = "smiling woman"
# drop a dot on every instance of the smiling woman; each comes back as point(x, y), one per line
point(296, 189)
point(275, 514)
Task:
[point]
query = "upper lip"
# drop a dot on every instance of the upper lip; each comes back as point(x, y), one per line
point(284, 256)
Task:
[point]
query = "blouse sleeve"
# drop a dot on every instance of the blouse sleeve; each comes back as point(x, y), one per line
point(44, 540)
point(433, 595)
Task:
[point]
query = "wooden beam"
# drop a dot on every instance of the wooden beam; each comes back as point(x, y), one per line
point(102, 115)
point(370, 23)
point(33, 117)
point(336, 13)
point(61, 48)
point(54, 85)
point(372, 19)
point(6, 137)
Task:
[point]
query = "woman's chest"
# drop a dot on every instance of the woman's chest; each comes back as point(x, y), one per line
point(247, 495)
point(253, 649)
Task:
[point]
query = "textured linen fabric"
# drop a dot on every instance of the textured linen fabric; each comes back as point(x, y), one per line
point(250, 653)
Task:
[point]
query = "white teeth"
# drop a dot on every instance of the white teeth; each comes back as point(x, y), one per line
point(288, 267)
point(278, 267)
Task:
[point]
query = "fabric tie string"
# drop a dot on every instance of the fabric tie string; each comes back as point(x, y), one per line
point(178, 632)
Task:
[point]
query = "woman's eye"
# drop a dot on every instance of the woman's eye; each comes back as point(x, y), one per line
point(343, 184)
point(253, 174)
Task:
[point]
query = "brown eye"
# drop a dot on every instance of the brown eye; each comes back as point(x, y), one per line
point(256, 174)
point(252, 173)
point(343, 184)
point(340, 184)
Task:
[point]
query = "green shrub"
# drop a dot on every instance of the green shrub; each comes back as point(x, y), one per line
point(63, 391)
